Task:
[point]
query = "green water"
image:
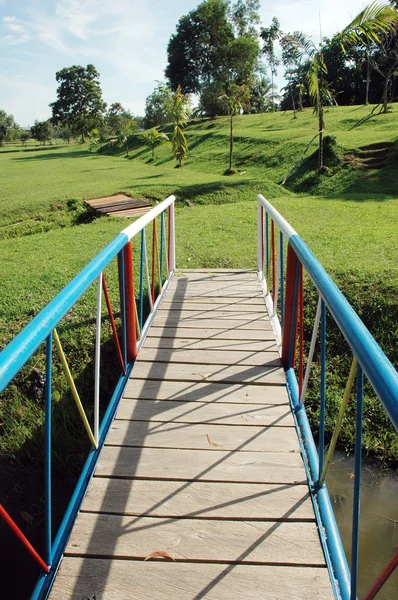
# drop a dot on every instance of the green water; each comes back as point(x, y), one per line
point(379, 520)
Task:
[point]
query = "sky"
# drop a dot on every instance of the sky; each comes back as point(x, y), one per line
point(126, 40)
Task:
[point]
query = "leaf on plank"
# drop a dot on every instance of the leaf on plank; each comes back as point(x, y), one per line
point(211, 441)
point(160, 554)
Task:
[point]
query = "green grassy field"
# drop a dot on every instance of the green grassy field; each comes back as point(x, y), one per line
point(348, 217)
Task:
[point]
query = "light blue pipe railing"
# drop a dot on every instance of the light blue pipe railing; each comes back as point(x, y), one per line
point(42, 328)
point(371, 361)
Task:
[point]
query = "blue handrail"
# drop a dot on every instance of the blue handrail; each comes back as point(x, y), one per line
point(371, 361)
point(15, 355)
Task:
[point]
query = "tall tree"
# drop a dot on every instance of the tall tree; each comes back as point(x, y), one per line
point(234, 100)
point(179, 112)
point(197, 52)
point(8, 127)
point(382, 35)
point(157, 106)
point(214, 44)
point(375, 20)
point(270, 35)
point(42, 131)
point(79, 104)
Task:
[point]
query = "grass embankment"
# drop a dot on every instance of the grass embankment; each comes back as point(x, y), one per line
point(48, 236)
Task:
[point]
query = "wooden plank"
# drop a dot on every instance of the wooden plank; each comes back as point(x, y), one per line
point(203, 412)
point(268, 346)
point(225, 300)
point(198, 499)
point(205, 392)
point(212, 438)
point(210, 357)
point(201, 465)
point(211, 307)
point(259, 317)
point(213, 334)
point(196, 539)
point(213, 283)
point(81, 579)
point(182, 294)
point(212, 373)
point(220, 322)
point(214, 274)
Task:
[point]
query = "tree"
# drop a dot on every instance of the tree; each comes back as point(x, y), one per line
point(376, 24)
point(117, 118)
point(157, 106)
point(234, 101)
point(270, 35)
point(375, 20)
point(153, 139)
point(214, 44)
point(179, 112)
point(8, 127)
point(262, 96)
point(42, 131)
point(197, 52)
point(79, 104)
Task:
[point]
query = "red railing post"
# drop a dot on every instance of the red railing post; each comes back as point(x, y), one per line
point(131, 327)
point(291, 310)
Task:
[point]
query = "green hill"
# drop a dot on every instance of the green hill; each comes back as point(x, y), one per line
point(348, 215)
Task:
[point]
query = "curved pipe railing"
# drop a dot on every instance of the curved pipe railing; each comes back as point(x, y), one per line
point(369, 359)
point(133, 332)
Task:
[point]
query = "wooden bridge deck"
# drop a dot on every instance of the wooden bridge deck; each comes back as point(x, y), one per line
point(202, 463)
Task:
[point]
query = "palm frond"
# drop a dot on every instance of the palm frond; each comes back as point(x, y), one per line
point(305, 45)
point(375, 20)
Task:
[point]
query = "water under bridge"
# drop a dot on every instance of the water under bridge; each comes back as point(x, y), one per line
point(204, 479)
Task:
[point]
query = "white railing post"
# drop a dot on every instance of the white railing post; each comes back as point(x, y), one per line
point(260, 242)
point(172, 239)
point(97, 359)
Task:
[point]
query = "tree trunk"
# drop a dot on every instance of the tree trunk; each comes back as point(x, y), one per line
point(272, 90)
point(367, 81)
point(385, 90)
point(231, 143)
point(83, 140)
point(293, 103)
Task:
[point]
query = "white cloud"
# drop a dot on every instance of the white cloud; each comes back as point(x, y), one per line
point(17, 32)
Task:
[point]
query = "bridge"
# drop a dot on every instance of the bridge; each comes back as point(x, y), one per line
point(204, 479)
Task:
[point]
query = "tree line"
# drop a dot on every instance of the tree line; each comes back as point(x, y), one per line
point(217, 54)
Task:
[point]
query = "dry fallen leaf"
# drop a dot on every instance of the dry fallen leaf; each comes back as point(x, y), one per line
point(211, 441)
point(159, 554)
point(202, 376)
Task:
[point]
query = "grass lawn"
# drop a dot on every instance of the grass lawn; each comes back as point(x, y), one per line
point(47, 236)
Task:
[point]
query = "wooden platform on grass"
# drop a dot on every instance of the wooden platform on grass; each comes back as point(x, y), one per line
point(119, 205)
point(201, 465)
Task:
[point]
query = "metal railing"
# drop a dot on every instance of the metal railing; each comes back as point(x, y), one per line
point(133, 332)
point(283, 283)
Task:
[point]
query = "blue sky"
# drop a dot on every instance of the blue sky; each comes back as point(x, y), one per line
point(126, 40)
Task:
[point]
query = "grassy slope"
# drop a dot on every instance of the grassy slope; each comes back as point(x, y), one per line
point(47, 237)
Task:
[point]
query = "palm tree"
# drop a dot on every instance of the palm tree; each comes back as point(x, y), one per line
point(376, 19)
point(179, 111)
point(153, 139)
point(262, 95)
point(233, 101)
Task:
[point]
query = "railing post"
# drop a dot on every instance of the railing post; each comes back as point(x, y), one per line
point(357, 484)
point(131, 332)
point(289, 337)
point(47, 452)
point(260, 242)
point(172, 241)
point(97, 364)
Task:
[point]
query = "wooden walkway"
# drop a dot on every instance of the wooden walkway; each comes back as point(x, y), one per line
point(201, 465)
